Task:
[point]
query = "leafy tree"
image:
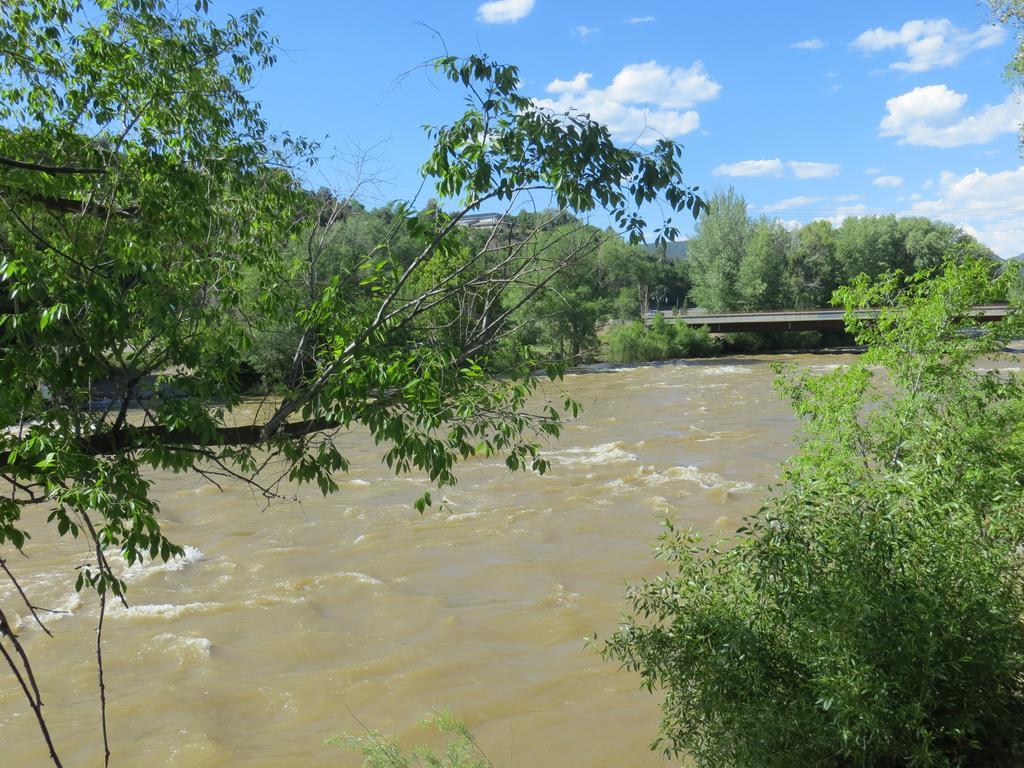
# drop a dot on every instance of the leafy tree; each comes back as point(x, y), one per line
point(741, 264)
point(761, 275)
point(869, 245)
point(565, 312)
point(926, 244)
point(873, 245)
point(812, 271)
point(333, 248)
point(144, 209)
point(716, 249)
point(1015, 280)
point(871, 613)
point(611, 280)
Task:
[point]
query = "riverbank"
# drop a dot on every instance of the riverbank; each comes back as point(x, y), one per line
point(637, 342)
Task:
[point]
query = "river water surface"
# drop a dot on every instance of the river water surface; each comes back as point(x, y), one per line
point(282, 626)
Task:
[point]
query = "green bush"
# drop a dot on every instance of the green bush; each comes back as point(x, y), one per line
point(694, 342)
point(871, 613)
point(635, 342)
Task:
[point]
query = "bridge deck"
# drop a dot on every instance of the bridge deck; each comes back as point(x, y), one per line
point(799, 320)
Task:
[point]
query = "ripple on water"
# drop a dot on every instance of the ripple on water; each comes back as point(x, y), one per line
point(316, 582)
point(189, 650)
point(162, 611)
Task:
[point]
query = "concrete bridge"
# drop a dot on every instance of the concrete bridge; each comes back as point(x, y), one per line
point(799, 320)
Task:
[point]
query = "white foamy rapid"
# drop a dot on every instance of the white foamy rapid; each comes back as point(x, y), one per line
point(67, 606)
point(725, 370)
point(652, 478)
point(162, 611)
point(188, 649)
point(606, 453)
point(136, 571)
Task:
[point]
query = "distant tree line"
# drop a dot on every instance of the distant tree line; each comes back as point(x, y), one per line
point(601, 280)
point(598, 302)
point(737, 262)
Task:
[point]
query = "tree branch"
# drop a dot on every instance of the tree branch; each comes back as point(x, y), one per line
point(43, 168)
point(24, 597)
point(70, 205)
point(131, 438)
point(35, 701)
point(102, 685)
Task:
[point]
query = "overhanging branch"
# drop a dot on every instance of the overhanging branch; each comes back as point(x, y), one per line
point(70, 205)
point(10, 162)
point(133, 438)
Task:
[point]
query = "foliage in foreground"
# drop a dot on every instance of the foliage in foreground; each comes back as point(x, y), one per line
point(145, 205)
point(379, 751)
point(871, 614)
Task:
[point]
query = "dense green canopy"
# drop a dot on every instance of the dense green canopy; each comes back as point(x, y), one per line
point(737, 262)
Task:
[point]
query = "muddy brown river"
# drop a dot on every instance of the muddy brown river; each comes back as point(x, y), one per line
point(285, 626)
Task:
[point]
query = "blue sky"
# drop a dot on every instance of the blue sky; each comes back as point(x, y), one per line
point(810, 109)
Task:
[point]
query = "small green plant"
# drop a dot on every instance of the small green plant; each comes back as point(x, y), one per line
point(380, 751)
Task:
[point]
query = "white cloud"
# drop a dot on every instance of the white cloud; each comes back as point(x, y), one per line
point(929, 43)
point(583, 31)
point(988, 205)
point(888, 181)
point(639, 19)
point(771, 167)
point(790, 225)
point(813, 44)
point(578, 83)
point(775, 167)
point(848, 198)
point(932, 116)
point(803, 170)
point(791, 202)
point(872, 171)
point(643, 101)
point(675, 88)
point(503, 11)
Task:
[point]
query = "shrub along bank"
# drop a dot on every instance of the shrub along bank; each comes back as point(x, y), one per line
point(637, 342)
point(871, 613)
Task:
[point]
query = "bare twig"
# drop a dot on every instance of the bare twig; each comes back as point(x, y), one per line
point(32, 608)
point(99, 671)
